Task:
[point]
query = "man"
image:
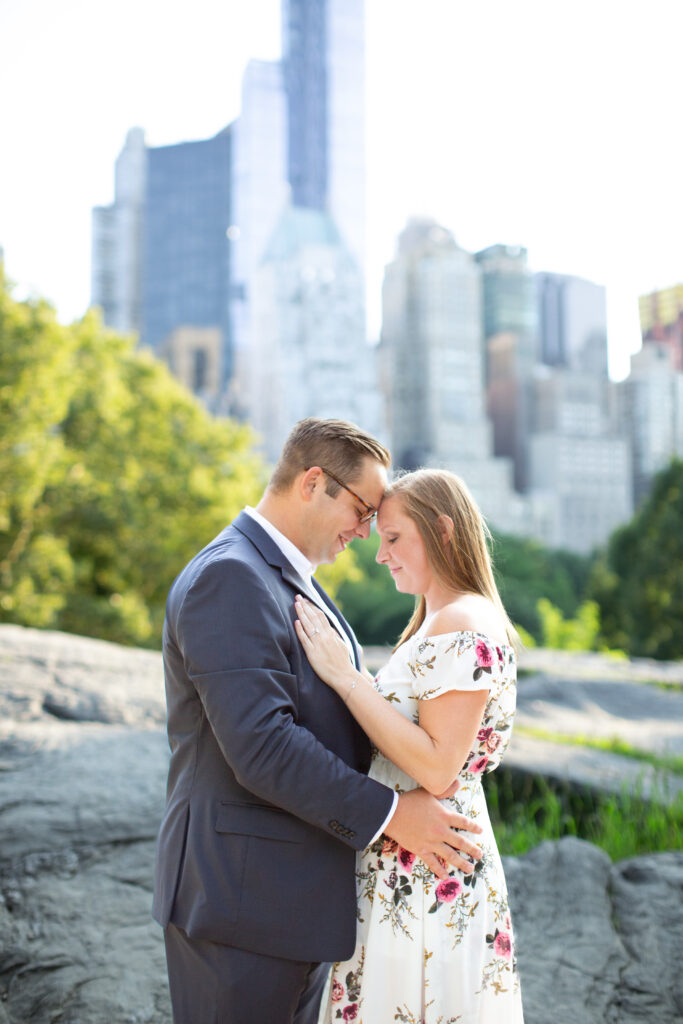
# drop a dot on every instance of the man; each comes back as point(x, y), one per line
point(268, 799)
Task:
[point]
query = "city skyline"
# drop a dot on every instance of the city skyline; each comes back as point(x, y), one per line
point(477, 117)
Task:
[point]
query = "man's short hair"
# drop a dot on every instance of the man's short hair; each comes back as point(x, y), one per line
point(336, 445)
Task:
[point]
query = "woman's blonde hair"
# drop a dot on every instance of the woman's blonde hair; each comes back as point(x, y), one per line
point(464, 563)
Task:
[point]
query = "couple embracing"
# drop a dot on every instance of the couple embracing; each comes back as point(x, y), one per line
point(316, 816)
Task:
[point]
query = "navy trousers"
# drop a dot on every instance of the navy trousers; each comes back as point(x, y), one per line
point(215, 984)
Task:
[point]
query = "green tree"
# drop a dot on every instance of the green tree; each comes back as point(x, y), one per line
point(638, 582)
point(578, 634)
point(113, 476)
point(37, 368)
point(527, 572)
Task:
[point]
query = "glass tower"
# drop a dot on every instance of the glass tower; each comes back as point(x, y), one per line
point(186, 261)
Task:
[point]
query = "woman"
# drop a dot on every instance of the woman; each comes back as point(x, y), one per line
point(430, 951)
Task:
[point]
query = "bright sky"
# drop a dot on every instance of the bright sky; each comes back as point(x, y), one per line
point(548, 124)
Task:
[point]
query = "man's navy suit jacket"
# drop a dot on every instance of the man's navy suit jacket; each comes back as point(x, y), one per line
point(267, 798)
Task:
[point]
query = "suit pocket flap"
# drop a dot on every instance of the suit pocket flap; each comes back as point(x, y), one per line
point(265, 822)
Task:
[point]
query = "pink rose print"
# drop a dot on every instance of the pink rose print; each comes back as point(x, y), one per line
point(337, 991)
point(350, 1011)
point(447, 890)
point(484, 654)
point(389, 847)
point(484, 734)
point(500, 655)
point(502, 945)
point(493, 742)
point(478, 764)
point(406, 858)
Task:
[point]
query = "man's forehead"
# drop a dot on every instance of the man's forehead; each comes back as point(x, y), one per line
point(373, 478)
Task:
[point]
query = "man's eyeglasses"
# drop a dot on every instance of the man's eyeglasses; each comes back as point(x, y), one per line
point(371, 512)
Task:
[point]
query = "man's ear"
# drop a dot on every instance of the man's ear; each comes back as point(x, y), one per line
point(310, 482)
point(445, 526)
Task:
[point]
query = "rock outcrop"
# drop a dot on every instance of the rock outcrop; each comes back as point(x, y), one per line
point(83, 759)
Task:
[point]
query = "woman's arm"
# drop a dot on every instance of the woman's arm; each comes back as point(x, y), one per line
point(432, 752)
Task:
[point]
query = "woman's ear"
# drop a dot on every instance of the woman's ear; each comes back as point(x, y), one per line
point(445, 526)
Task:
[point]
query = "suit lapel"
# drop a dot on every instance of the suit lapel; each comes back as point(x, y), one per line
point(275, 557)
point(269, 549)
point(342, 621)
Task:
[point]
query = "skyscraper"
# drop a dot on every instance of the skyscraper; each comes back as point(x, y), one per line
point(323, 60)
point(572, 322)
point(300, 147)
point(510, 332)
point(579, 458)
point(186, 268)
point(308, 350)
point(116, 263)
point(433, 368)
point(260, 194)
point(652, 411)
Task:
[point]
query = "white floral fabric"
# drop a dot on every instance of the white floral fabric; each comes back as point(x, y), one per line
point(430, 951)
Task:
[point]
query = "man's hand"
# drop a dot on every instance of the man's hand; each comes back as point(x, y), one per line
point(425, 827)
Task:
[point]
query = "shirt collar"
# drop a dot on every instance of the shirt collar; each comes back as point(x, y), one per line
point(291, 552)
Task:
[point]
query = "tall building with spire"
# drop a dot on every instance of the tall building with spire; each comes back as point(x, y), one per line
point(299, 150)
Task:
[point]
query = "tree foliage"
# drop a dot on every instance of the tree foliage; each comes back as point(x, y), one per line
point(527, 572)
point(638, 582)
point(578, 634)
point(111, 476)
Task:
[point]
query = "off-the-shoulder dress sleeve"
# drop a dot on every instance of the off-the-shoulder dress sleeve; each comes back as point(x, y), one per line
point(452, 661)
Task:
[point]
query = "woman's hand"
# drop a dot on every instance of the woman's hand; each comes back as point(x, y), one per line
point(325, 649)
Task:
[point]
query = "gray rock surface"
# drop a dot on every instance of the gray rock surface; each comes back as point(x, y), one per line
point(83, 759)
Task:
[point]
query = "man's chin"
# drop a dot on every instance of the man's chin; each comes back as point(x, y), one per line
point(338, 549)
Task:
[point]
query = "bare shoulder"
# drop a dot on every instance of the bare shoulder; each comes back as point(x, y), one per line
point(469, 613)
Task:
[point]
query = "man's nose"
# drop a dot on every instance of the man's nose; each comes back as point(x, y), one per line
point(363, 530)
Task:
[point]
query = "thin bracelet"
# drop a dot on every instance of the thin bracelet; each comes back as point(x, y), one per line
point(353, 686)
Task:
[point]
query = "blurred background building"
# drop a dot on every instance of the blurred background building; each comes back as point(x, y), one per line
point(240, 260)
point(432, 358)
point(661, 319)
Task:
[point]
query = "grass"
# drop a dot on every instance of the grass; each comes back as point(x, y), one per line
point(526, 809)
point(612, 744)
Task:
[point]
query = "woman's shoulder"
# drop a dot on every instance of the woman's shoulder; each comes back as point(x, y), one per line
point(470, 613)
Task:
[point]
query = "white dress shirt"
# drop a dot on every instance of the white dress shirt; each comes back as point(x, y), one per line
point(305, 569)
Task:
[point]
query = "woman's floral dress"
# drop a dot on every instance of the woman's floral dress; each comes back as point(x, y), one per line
point(429, 951)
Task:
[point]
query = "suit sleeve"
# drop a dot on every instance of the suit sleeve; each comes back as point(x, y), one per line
point(235, 643)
